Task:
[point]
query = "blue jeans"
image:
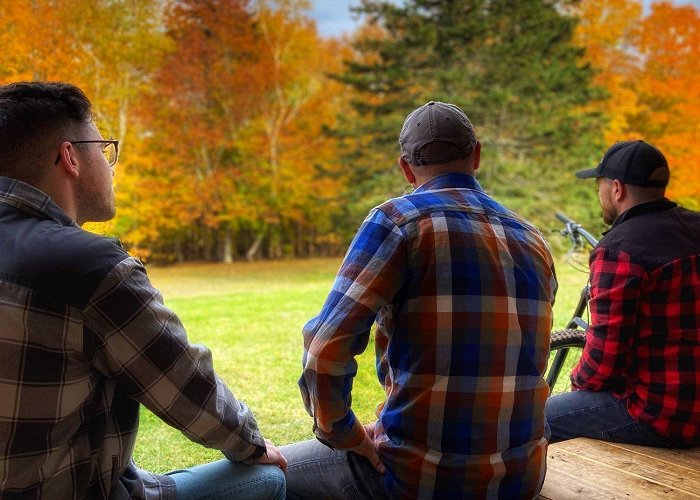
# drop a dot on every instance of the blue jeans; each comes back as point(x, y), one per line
point(316, 471)
point(224, 479)
point(598, 415)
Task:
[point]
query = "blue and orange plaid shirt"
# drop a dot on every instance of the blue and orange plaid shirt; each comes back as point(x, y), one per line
point(461, 290)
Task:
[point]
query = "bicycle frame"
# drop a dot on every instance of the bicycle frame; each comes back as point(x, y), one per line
point(579, 237)
point(576, 321)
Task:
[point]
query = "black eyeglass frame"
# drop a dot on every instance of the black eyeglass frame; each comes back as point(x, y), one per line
point(101, 141)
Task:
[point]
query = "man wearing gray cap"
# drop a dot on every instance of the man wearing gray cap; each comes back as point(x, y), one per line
point(460, 290)
point(637, 380)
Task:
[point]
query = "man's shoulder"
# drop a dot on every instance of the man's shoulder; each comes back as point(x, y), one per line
point(655, 238)
point(412, 206)
point(78, 246)
point(65, 262)
point(647, 226)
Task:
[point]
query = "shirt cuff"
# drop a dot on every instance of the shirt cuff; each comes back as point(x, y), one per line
point(346, 441)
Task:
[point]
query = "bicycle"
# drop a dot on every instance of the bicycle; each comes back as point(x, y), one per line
point(573, 336)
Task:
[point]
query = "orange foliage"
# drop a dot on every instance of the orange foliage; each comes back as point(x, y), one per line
point(648, 65)
point(668, 40)
point(222, 107)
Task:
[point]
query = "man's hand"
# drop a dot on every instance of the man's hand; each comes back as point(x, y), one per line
point(368, 449)
point(273, 457)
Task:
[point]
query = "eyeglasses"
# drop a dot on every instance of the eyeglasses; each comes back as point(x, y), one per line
point(110, 148)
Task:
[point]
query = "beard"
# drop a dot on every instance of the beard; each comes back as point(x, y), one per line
point(95, 206)
point(609, 215)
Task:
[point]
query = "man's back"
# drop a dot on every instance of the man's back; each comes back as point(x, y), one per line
point(462, 293)
point(85, 338)
point(655, 249)
point(464, 347)
point(49, 269)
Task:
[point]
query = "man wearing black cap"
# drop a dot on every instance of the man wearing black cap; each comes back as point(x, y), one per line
point(637, 380)
point(461, 291)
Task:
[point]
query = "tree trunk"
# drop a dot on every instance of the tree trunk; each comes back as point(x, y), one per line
point(179, 255)
point(275, 242)
point(255, 247)
point(227, 245)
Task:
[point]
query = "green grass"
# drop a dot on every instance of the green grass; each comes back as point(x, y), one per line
point(250, 315)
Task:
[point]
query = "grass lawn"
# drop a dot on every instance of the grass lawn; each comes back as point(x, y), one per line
point(250, 315)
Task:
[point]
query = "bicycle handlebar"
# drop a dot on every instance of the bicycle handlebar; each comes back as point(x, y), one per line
point(575, 231)
point(563, 218)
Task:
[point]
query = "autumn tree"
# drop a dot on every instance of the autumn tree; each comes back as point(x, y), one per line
point(668, 92)
point(109, 48)
point(236, 121)
point(35, 44)
point(604, 31)
point(294, 159)
point(647, 64)
point(202, 95)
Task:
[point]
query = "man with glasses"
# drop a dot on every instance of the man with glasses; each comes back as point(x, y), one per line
point(86, 339)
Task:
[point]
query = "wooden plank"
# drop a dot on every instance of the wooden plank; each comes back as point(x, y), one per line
point(607, 482)
point(689, 457)
point(582, 468)
point(564, 485)
point(642, 461)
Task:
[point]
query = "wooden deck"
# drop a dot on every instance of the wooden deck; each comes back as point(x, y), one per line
point(588, 469)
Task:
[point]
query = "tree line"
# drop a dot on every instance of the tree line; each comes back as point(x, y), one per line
point(244, 134)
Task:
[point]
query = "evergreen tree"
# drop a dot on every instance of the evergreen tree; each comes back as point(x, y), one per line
point(511, 66)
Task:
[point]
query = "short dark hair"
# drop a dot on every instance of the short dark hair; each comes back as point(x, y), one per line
point(33, 115)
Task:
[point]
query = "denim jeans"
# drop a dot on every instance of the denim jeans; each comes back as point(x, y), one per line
point(224, 479)
point(597, 415)
point(315, 471)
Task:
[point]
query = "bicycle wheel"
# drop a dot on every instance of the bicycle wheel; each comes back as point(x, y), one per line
point(569, 337)
point(565, 350)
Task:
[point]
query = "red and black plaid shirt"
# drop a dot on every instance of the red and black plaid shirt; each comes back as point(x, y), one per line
point(644, 341)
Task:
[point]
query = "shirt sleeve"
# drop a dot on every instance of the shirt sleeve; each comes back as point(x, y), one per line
point(615, 290)
point(369, 278)
point(131, 337)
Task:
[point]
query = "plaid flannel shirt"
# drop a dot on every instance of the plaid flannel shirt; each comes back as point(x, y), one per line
point(643, 344)
point(84, 340)
point(461, 291)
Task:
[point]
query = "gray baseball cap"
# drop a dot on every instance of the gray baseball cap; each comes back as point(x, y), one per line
point(437, 122)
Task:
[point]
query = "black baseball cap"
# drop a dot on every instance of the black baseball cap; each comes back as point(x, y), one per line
point(632, 162)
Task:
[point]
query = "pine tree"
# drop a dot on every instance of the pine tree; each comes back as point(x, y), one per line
point(511, 66)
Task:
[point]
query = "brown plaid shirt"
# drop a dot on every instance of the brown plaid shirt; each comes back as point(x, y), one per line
point(84, 340)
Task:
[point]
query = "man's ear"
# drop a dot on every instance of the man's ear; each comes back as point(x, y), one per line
point(477, 155)
point(407, 172)
point(67, 159)
point(619, 190)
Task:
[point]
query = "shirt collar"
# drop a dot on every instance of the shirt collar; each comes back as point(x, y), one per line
point(451, 180)
point(32, 201)
point(644, 208)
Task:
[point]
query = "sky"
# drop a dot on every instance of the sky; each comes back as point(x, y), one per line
point(333, 17)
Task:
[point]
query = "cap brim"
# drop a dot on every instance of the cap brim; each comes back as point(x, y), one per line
point(590, 173)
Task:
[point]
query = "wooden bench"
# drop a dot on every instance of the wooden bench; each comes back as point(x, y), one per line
point(584, 468)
